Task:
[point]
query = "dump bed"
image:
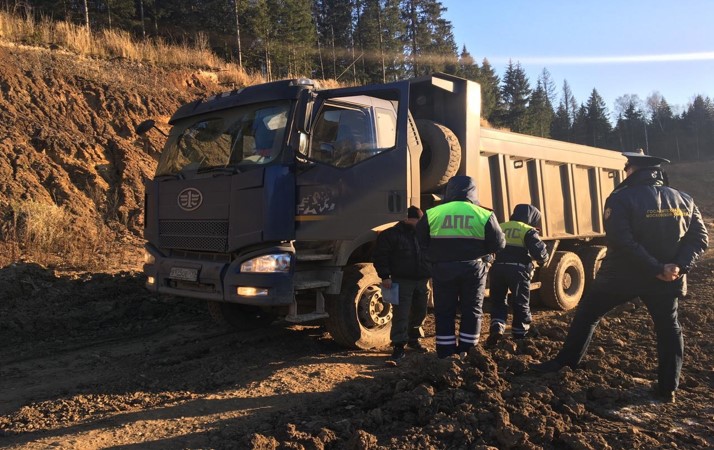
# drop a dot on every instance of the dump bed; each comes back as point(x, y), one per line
point(567, 182)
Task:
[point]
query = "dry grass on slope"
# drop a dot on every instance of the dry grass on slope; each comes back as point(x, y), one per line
point(117, 44)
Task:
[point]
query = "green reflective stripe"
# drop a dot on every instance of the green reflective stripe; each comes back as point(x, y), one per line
point(458, 220)
point(515, 233)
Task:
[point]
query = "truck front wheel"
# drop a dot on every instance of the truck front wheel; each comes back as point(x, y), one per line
point(359, 318)
point(562, 281)
point(239, 317)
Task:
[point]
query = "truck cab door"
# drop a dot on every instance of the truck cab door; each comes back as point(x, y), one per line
point(359, 171)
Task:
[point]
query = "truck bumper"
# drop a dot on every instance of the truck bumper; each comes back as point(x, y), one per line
point(215, 280)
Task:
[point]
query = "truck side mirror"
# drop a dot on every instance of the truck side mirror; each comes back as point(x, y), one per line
point(144, 126)
point(302, 121)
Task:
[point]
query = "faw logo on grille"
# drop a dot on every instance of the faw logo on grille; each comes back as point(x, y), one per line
point(190, 199)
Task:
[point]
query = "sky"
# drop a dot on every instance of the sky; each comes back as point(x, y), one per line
point(618, 47)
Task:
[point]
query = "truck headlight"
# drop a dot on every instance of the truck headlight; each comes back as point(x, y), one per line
point(279, 262)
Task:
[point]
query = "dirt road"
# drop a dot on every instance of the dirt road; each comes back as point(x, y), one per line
point(94, 361)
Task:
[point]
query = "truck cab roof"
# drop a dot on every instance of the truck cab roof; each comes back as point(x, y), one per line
point(278, 90)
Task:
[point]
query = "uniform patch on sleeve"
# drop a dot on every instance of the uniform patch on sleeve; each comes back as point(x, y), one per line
point(607, 213)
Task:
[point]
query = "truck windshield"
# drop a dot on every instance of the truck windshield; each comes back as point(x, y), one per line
point(246, 135)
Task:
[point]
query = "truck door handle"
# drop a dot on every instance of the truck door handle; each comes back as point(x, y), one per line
point(395, 203)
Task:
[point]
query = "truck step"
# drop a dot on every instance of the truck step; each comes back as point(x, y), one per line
point(313, 257)
point(299, 318)
point(310, 284)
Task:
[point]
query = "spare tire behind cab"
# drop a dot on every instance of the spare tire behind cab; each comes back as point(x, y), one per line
point(440, 157)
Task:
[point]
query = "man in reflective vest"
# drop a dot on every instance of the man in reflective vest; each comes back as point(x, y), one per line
point(512, 270)
point(456, 235)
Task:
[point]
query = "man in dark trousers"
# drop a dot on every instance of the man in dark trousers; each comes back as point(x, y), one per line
point(512, 270)
point(456, 235)
point(655, 234)
point(398, 260)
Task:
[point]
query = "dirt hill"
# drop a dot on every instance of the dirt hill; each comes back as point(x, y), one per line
point(91, 360)
point(66, 137)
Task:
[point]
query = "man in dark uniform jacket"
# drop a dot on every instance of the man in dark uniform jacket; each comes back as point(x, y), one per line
point(398, 259)
point(655, 234)
point(512, 271)
point(456, 235)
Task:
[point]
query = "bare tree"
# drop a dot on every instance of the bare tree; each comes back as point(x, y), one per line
point(240, 53)
point(86, 15)
point(141, 15)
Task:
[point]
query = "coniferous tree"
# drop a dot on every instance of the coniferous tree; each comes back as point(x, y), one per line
point(429, 37)
point(561, 126)
point(371, 42)
point(580, 126)
point(698, 121)
point(539, 112)
point(296, 30)
point(260, 54)
point(664, 139)
point(631, 128)
point(598, 124)
point(490, 92)
point(515, 94)
point(393, 32)
point(335, 27)
point(468, 68)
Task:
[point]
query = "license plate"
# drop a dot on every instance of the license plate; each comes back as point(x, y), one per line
point(183, 273)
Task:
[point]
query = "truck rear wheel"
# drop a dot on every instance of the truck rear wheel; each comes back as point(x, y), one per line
point(239, 317)
point(592, 258)
point(440, 156)
point(562, 281)
point(359, 318)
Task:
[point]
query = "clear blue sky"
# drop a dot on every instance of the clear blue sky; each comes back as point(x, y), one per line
point(615, 46)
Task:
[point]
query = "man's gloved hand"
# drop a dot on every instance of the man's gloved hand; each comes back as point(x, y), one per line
point(488, 260)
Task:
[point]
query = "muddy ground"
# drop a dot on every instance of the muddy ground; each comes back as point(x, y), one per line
point(94, 361)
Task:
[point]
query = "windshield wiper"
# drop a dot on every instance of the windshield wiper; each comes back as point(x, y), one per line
point(169, 176)
point(230, 170)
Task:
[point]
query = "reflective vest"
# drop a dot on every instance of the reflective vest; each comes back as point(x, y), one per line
point(515, 233)
point(458, 219)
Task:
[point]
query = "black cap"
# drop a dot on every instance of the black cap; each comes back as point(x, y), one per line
point(639, 159)
point(414, 213)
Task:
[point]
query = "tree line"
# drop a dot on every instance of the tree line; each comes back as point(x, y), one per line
point(377, 41)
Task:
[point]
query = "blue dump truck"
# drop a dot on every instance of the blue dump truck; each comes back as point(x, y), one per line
point(267, 200)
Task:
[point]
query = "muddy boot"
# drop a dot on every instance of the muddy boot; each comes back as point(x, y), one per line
point(663, 396)
point(397, 355)
point(493, 338)
point(416, 346)
point(531, 333)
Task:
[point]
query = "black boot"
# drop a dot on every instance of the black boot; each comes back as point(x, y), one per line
point(414, 344)
point(397, 355)
point(495, 335)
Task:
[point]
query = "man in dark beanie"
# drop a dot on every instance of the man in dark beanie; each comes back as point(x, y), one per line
point(655, 234)
point(399, 261)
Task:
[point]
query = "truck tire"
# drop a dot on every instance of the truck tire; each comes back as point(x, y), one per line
point(592, 258)
point(239, 317)
point(358, 316)
point(440, 156)
point(563, 281)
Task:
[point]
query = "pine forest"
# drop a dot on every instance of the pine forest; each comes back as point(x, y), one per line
point(375, 41)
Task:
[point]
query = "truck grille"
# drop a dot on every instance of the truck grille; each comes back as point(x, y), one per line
point(194, 235)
